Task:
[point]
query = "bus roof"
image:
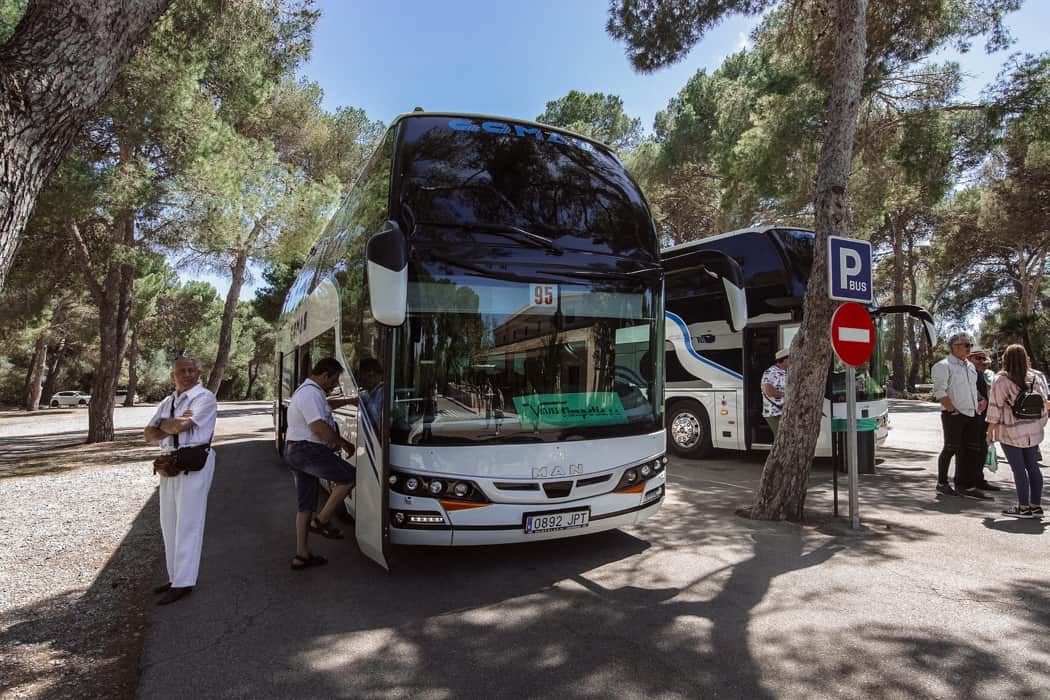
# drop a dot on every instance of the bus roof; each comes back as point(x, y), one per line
point(763, 228)
point(496, 117)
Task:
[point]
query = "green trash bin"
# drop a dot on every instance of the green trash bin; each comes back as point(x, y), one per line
point(865, 444)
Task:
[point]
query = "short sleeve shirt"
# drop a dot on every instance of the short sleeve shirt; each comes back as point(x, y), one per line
point(956, 379)
point(778, 379)
point(205, 409)
point(309, 403)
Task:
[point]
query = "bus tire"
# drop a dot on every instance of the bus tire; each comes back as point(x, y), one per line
point(689, 430)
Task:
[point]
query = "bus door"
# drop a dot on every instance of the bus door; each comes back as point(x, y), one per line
point(760, 347)
point(918, 312)
point(387, 279)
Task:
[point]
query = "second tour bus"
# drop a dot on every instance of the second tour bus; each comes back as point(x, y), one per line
point(504, 279)
point(733, 300)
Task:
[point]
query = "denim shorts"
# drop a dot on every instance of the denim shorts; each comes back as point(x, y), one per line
point(311, 461)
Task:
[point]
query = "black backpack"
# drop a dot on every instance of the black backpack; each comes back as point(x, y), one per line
point(1029, 403)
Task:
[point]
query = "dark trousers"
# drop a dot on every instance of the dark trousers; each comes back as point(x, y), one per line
point(963, 439)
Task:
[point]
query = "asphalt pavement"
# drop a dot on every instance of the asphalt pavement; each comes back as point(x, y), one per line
point(933, 597)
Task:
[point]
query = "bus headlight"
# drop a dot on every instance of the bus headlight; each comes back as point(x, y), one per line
point(437, 487)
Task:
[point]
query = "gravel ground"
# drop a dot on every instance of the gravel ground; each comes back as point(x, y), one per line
point(81, 548)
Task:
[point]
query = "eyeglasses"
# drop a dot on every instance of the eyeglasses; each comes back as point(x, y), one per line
point(963, 345)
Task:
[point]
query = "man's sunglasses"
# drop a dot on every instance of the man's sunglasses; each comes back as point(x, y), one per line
point(964, 345)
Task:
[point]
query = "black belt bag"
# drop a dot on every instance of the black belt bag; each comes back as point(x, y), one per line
point(192, 459)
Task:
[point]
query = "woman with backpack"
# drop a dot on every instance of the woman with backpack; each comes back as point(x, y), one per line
point(1016, 416)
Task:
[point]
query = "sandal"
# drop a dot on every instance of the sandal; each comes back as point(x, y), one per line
point(325, 529)
point(299, 562)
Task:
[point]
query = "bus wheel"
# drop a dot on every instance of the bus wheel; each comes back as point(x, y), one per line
point(689, 431)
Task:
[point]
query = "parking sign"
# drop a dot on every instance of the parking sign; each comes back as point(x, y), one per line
point(849, 270)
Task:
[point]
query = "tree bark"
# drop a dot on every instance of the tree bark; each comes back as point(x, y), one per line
point(782, 490)
point(914, 346)
point(897, 237)
point(53, 368)
point(36, 373)
point(133, 368)
point(113, 298)
point(54, 70)
point(253, 371)
point(222, 356)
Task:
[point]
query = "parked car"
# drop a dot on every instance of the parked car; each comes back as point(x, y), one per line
point(70, 398)
point(123, 394)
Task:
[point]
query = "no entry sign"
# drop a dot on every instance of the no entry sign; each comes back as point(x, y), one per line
point(852, 334)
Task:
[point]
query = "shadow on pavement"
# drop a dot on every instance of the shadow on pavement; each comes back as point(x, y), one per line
point(602, 615)
point(93, 637)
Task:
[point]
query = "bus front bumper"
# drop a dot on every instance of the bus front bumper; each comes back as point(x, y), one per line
point(504, 523)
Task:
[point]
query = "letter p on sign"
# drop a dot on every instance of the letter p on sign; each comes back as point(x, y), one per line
point(849, 270)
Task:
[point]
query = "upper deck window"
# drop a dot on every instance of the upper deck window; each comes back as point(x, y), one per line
point(462, 172)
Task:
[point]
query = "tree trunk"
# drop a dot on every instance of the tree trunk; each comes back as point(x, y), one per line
point(914, 346)
point(782, 490)
point(113, 297)
point(36, 373)
point(897, 237)
point(53, 368)
point(133, 368)
point(222, 356)
point(253, 372)
point(54, 70)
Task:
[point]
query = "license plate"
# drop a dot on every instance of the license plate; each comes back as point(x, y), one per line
point(551, 522)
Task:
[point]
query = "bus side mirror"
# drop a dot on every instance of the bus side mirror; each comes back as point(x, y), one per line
point(387, 255)
point(737, 300)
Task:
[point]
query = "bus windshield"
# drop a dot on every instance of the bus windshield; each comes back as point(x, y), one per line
point(484, 359)
point(467, 174)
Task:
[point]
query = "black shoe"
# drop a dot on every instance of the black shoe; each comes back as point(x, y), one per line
point(947, 489)
point(989, 487)
point(974, 493)
point(162, 588)
point(1036, 511)
point(174, 594)
point(1019, 512)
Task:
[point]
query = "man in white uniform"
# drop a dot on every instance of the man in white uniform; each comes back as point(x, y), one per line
point(312, 444)
point(183, 498)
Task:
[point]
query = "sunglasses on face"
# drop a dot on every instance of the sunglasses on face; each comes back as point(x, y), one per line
point(964, 345)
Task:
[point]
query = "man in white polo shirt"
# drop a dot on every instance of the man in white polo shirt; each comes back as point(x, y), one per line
point(312, 446)
point(189, 414)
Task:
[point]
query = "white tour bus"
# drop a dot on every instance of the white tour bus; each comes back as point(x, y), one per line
point(506, 276)
point(732, 301)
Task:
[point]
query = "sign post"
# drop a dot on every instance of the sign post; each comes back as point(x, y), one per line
point(852, 334)
point(853, 338)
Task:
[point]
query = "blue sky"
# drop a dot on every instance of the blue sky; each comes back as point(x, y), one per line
point(510, 59)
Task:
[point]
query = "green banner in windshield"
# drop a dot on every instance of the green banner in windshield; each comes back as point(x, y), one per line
point(570, 410)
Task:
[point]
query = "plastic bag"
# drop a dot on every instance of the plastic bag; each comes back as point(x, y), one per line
point(991, 459)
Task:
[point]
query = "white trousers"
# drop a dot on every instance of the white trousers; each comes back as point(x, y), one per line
point(183, 505)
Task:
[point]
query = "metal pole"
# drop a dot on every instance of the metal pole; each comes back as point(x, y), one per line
point(851, 444)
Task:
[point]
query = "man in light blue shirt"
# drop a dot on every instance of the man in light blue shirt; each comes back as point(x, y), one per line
point(955, 387)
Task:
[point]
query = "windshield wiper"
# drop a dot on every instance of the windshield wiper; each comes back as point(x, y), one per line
point(603, 274)
point(505, 230)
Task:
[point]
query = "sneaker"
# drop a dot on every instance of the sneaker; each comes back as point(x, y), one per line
point(947, 490)
point(975, 494)
point(1036, 511)
point(989, 487)
point(1019, 512)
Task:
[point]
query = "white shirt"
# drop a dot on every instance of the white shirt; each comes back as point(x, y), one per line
point(956, 379)
point(309, 403)
point(197, 399)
